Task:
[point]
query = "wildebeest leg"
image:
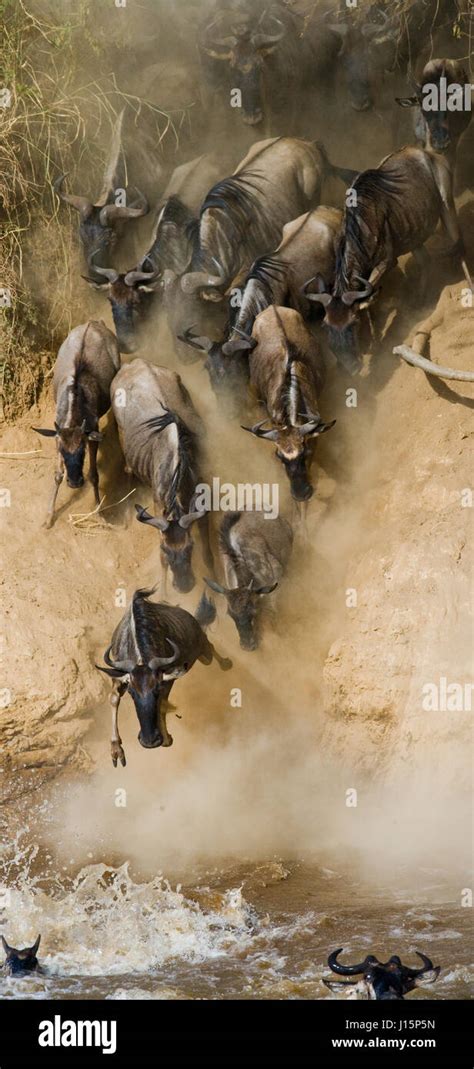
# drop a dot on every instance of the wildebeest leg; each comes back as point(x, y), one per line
point(206, 544)
point(163, 712)
point(58, 478)
point(210, 652)
point(422, 260)
point(93, 472)
point(116, 747)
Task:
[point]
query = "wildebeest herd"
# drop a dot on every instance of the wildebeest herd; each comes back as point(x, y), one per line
point(254, 271)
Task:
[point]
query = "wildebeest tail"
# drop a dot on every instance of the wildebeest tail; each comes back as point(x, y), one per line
point(344, 173)
point(206, 611)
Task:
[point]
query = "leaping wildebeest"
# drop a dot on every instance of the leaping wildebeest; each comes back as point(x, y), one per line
point(394, 209)
point(287, 374)
point(100, 223)
point(255, 551)
point(153, 645)
point(20, 962)
point(86, 363)
point(308, 247)
point(381, 981)
point(160, 433)
point(443, 106)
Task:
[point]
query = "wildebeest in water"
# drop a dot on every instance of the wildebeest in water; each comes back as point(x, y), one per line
point(382, 981)
point(20, 962)
point(152, 646)
point(86, 363)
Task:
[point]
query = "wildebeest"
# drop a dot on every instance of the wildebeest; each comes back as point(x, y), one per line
point(100, 222)
point(20, 962)
point(86, 363)
point(393, 210)
point(308, 247)
point(255, 551)
point(437, 125)
point(160, 434)
point(134, 293)
point(388, 980)
point(272, 54)
point(153, 645)
point(287, 374)
point(243, 216)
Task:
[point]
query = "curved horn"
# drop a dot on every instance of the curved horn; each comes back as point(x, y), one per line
point(322, 297)
point(215, 586)
point(264, 40)
point(195, 280)
point(431, 369)
point(315, 425)
point(217, 47)
point(132, 277)
point(352, 296)
point(239, 344)
point(125, 666)
point(203, 344)
point(186, 521)
point(81, 204)
point(110, 213)
point(272, 435)
point(108, 272)
point(154, 521)
point(348, 970)
point(427, 966)
point(161, 662)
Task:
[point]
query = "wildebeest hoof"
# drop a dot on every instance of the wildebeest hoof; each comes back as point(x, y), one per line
point(118, 754)
point(48, 523)
point(167, 740)
point(226, 664)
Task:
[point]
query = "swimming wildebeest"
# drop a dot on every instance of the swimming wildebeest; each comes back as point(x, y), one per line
point(86, 363)
point(100, 223)
point(160, 434)
point(135, 293)
point(20, 962)
point(255, 551)
point(287, 373)
point(441, 117)
point(308, 247)
point(153, 645)
point(381, 980)
point(395, 209)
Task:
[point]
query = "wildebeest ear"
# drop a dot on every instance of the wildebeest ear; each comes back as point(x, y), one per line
point(407, 102)
point(46, 433)
point(33, 950)
point(95, 436)
point(7, 949)
point(215, 586)
point(155, 521)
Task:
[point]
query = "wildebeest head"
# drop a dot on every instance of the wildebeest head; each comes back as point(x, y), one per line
point(245, 49)
point(359, 44)
point(228, 371)
point(131, 298)
point(242, 606)
point(144, 683)
point(176, 544)
point(341, 315)
point(293, 448)
point(438, 124)
point(99, 221)
point(388, 980)
point(71, 442)
point(19, 962)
